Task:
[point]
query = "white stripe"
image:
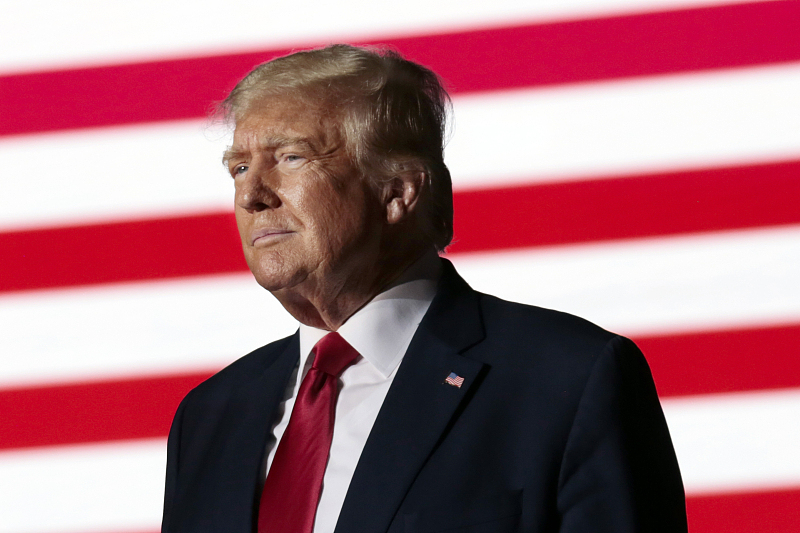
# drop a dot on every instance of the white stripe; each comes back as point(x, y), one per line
point(76, 334)
point(113, 173)
point(87, 32)
point(625, 127)
point(723, 442)
point(658, 285)
point(674, 284)
point(730, 442)
point(101, 487)
point(576, 132)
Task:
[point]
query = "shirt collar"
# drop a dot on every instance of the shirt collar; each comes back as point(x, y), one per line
point(382, 330)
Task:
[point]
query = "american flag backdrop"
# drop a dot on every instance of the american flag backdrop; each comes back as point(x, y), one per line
point(634, 162)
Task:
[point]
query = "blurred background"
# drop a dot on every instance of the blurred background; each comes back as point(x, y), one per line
point(635, 162)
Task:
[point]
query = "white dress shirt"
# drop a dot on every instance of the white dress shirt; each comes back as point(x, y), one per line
point(381, 332)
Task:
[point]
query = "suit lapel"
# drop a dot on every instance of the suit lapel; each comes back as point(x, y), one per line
point(418, 409)
point(249, 415)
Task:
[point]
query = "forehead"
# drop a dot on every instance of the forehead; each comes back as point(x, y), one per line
point(273, 120)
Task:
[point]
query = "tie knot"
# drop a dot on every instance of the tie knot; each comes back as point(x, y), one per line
point(332, 354)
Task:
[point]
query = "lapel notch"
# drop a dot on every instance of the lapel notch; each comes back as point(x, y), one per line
point(419, 408)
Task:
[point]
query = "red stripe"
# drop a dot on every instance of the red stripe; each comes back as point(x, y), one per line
point(489, 219)
point(747, 512)
point(773, 511)
point(724, 361)
point(92, 412)
point(489, 59)
point(122, 251)
point(721, 361)
point(624, 208)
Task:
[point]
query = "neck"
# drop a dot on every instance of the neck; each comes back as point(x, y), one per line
point(327, 303)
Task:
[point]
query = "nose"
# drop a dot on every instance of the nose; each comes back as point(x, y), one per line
point(254, 192)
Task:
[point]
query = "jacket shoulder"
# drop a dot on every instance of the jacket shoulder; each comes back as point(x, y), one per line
point(549, 357)
point(540, 329)
point(241, 371)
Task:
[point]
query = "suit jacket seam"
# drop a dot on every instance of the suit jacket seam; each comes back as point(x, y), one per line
point(615, 340)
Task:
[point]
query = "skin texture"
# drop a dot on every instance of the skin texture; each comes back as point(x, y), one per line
point(315, 232)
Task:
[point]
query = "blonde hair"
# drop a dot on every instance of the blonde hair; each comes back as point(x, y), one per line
point(394, 115)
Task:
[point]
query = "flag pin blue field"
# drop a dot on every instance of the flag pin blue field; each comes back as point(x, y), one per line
point(454, 380)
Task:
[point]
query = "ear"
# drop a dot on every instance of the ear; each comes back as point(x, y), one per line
point(402, 193)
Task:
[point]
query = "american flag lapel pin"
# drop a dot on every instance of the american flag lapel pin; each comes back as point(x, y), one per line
point(454, 380)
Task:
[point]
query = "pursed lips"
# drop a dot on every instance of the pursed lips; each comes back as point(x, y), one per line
point(266, 234)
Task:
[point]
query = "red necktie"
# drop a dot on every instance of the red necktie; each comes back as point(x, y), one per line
point(294, 483)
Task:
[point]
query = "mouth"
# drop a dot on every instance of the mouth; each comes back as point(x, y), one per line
point(265, 236)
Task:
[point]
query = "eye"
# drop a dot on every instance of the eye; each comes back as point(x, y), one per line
point(292, 160)
point(238, 170)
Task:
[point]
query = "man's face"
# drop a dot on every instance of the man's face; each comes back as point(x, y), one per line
point(303, 211)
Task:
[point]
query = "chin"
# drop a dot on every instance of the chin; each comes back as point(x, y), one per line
point(277, 269)
point(273, 281)
point(274, 278)
point(269, 284)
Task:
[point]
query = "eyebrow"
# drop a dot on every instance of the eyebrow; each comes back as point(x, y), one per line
point(271, 142)
point(229, 154)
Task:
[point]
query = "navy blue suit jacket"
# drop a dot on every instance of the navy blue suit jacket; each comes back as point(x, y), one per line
point(556, 428)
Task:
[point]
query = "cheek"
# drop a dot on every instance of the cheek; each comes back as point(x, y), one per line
point(242, 221)
point(336, 213)
point(321, 207)
point(342, 219)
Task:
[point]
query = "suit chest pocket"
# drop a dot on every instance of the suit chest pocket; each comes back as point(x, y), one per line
point(489, 515)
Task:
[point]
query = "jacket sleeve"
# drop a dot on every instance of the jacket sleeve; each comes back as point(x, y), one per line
point(619, 471)
point(173, 452)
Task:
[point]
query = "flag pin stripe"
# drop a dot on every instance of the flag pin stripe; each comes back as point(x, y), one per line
point(454, 380)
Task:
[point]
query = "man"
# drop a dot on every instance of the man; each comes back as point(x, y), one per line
point(406, 401)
